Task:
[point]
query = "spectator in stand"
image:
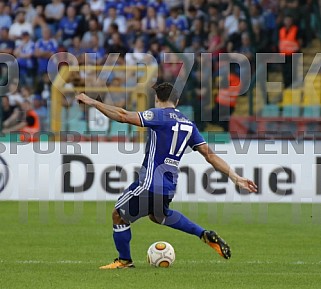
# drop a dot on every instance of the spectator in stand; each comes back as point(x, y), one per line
point(154, 50)
point(44, 49)
point(232, 21)
point(289, 43)
point(226, 100)
point(68, 27)
point(197, 30)
point(171, 68)
point(193, 14)
point(116, 45)
point(234, 41)
point(270, 14)
point(215, 40)
point(24, 53)
point(116, 98)
point(77, 50)
point(196, 46)
point(262, 42)
point(20, 26)
point(118, 4)
point(14, 95)
point(95, 55)
point(114, 18)
point(5, 19)
point(29, 126)
point(10, 113)
point(134, 5)
point(226, 7)
point(39, 22)
point(300, 11)
point(200, 5)
point(29, 9)
point(14, 6)
point(25, 92)
point(97, 7)
point(306, 11)
point(85, 17)
point(41, 111)
point(153, 24)
point(122, 75)
point(54, 13)
point(6, 44)
point(44, 88)
point(290, 8)
point(246, 50)
point(176, 20)
point(78, 4)
point(136, 14)
point(134, 32)
point(113, 28)
point(93, 30)
point(137, 53)
point(197, 49)
point(214, 13)
point(177, 37)
point(174, 3)
point(256, 15)
point(160, 6)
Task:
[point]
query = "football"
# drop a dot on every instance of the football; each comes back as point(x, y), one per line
point(161, 254)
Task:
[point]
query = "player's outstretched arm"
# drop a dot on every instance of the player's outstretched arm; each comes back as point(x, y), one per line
point(220, 165)
point(113, 112)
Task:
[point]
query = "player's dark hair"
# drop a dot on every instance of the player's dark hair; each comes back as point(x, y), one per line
point(167, 92)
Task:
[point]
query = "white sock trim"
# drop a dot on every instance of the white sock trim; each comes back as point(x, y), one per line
point(121, 228)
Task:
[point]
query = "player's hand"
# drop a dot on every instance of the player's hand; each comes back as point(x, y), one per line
point(83, 98)
point(246, 184)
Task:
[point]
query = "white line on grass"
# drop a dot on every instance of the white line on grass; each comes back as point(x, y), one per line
point(52, 262)
point(192, 262)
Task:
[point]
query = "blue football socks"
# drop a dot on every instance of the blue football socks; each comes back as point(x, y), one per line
point(122, 236)
point(178, 221)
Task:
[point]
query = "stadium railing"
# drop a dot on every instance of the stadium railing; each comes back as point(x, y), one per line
point(138, 93)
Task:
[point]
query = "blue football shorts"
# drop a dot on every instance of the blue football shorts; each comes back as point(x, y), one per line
point(137, 202)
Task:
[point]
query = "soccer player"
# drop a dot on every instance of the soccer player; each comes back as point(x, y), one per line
point(170, 133)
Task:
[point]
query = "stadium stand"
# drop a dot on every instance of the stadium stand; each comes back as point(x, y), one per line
point(34, 31)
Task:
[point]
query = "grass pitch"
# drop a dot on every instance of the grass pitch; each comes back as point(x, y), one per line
point(61, 245)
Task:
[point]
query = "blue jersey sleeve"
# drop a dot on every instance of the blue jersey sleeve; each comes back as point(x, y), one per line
point(38, 44)
point(62, 23)
point(151, 118)
point(196, 139)
point(54, 46)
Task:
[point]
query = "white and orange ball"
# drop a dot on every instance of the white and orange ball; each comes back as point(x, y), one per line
point(161, 254)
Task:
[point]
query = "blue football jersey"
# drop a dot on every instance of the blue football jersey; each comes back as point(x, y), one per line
point(170, 133)
point(50, 45)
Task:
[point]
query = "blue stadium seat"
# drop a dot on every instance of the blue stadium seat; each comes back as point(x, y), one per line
point(118, 129)
point(291, 111)
point(312, 111)
point(270, 110)
point(73, 119)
